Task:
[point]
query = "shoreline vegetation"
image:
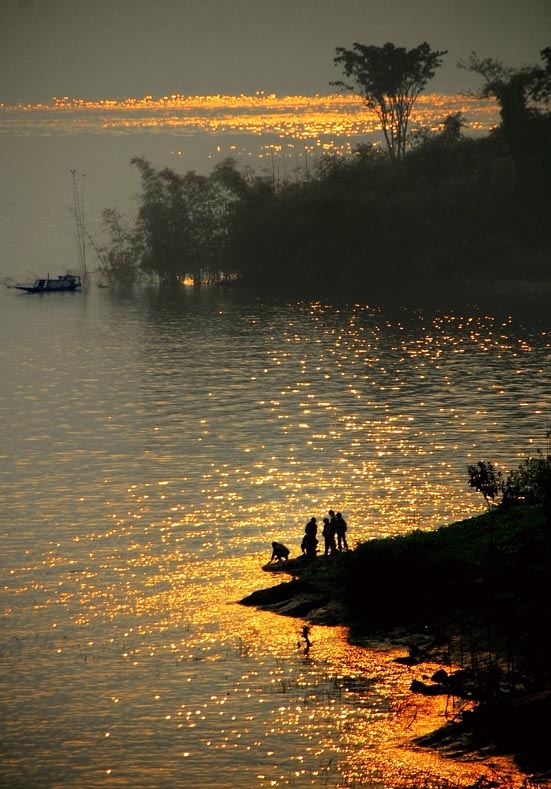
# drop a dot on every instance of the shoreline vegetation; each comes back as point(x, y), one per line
point(473, 595)
point(428, 207)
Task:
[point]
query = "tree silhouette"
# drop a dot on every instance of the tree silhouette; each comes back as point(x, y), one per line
point(484, 478)
point(389, 79)
point(523, 95)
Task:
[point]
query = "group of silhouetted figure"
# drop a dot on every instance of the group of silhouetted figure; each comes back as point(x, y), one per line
point(333, 532)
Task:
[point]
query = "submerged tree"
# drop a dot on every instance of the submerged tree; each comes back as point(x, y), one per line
point(181, 224)
point(389, 79)
point(162, 222)
point(120, 256)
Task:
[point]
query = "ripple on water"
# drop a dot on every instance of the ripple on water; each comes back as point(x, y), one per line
point(148, 465)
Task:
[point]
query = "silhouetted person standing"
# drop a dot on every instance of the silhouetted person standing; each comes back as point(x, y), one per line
point(341, 532)
point(311, 528)
point(310, 541)
point(328, 536)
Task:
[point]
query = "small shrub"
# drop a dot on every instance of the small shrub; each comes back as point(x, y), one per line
point(531, 482)
point(486, 480)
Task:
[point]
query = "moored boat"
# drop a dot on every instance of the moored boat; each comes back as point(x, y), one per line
point(68, 281)
point(50, 285)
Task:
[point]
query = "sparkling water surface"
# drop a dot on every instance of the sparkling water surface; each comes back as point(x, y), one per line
point(153, 445)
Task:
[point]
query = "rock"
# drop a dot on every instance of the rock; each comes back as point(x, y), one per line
point(263, 598)
point(290, 566)
point(428, 690)
point(407, 660)
point(299, 606)
point(331, 614)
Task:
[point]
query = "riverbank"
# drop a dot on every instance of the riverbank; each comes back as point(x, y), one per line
point(472, 595)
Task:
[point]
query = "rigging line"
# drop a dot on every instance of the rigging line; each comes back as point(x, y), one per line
point(100, 254)
point(78, 209)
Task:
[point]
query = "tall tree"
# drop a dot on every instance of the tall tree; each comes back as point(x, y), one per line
point(161, 225)
point(542, 88)
point(389, 79)
point(205, 221)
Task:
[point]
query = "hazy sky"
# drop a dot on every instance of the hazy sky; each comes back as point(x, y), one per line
point(120, 48)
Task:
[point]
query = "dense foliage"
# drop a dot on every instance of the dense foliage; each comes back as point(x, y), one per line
point(472, 571)
point(530, 483)
point(454, 209)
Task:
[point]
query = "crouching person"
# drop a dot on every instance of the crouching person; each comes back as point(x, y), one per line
point(279, 551)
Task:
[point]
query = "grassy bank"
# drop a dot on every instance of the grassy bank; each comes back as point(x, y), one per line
point(475, 593)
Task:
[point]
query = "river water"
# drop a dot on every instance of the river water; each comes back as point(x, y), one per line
point(153, 445)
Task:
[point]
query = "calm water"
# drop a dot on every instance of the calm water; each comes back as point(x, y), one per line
point(152, 447)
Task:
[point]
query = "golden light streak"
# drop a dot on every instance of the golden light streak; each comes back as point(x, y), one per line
point(298, 117)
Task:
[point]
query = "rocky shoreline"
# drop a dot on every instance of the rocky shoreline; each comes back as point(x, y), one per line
point(516, 726)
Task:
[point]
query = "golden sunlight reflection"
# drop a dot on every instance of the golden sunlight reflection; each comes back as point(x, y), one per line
point(208, 676)
point(316, 123)
point(126, 656)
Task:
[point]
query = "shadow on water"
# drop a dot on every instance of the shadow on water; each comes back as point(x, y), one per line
point(525, 302)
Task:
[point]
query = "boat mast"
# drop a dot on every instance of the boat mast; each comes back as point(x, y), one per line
point(78, 208)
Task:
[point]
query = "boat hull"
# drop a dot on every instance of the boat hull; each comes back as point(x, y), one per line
point(46, 285)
